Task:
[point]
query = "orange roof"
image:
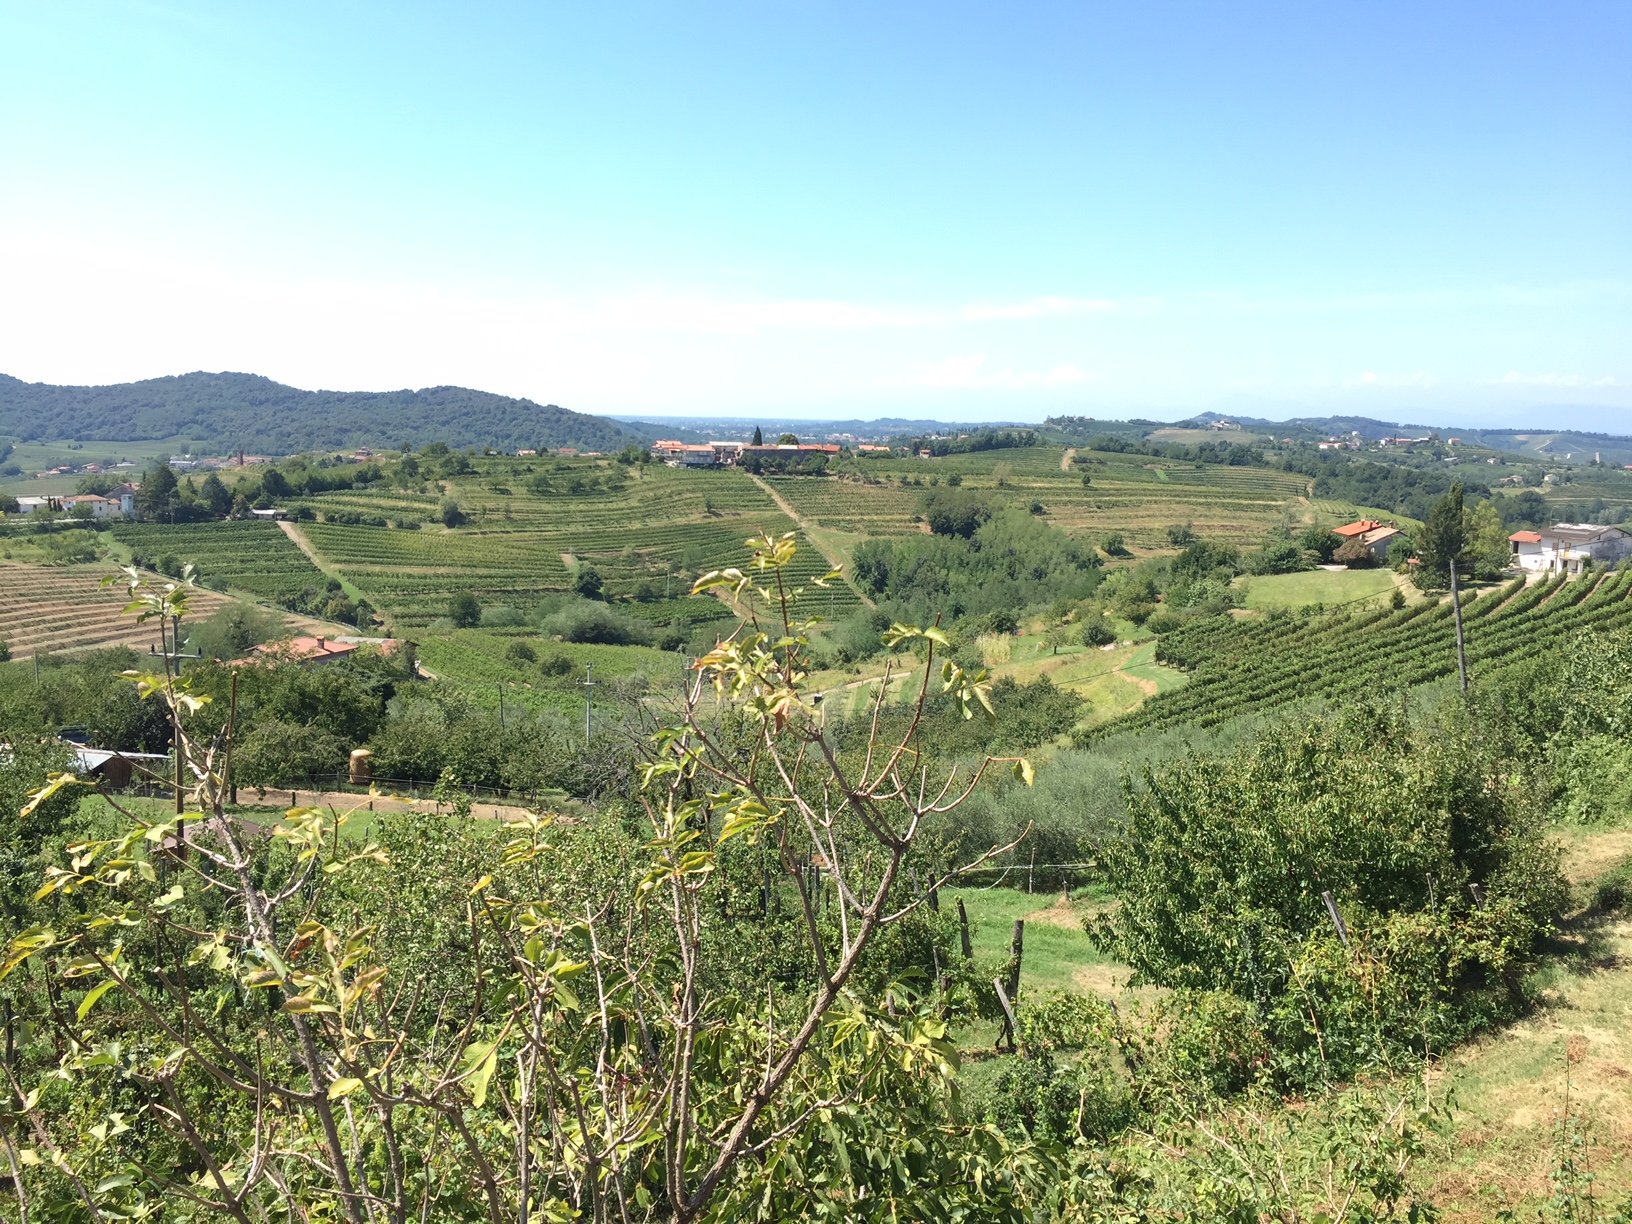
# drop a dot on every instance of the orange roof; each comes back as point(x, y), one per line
point(1358, 528)
point(1526, 537)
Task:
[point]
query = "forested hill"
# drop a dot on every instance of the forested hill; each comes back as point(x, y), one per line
point(230, 411)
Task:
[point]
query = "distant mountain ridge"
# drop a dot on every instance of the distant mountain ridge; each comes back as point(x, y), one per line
point(230, 411)
point(1557, 445)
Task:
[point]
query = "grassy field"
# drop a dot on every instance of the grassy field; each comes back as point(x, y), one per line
point(35, 457)
point(477, 661)
point(1058, 953)
point(1331, 587)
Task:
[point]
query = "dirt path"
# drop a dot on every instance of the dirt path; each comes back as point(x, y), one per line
point(1065, 459)
point(305, 546)
point(1150, 687)
point(784, 505)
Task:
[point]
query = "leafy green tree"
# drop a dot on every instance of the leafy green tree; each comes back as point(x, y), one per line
point(214, 494)
point(1434, 857)
point(527, 1021)
point(759, 438)
point(788, 439)
point(450, 513)
point(1488, 548)
point(464, 610)
point(1322, 541)
point(157, 496)
point(588, 582)
point(233, 629)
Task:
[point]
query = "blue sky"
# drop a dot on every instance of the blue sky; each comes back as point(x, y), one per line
point(1412, 210)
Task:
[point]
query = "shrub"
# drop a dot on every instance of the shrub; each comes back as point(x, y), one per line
point(587, 582)
point(1163, 621)
point(1095, 632)
point(595, 623)
point(464, 610)
point(5, 651)
point(232, 629)
point(497, 617)
point(1225, 864)
point(450, 513)
point(276, 752)
point(520, 652)
point(556, 664)
point(1356, 554)
point(1114, 544)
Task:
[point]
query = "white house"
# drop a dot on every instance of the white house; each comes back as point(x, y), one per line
point(1569, 546)
point(101, 507)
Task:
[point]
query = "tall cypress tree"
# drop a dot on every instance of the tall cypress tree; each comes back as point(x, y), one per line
point(759, 438)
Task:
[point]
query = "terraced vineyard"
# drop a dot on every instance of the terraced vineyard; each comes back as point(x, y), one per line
point(1133, 494)
point(63, 610)
point(1238, 666)
point(254, 557)
point(412, 575)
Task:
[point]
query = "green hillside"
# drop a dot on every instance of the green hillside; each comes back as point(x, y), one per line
point(246, 411)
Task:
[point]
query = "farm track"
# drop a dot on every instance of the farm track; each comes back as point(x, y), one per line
point(813, 534)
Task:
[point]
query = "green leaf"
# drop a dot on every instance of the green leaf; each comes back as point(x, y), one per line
point(481, 1060)
point(343, 1087)
point(1024, 772)
point(89, 1001)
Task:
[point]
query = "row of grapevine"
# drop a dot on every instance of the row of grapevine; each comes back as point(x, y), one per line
point(1238, 666)
point(255, 557)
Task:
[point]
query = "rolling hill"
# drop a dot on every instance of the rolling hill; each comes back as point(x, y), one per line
point(247, 411)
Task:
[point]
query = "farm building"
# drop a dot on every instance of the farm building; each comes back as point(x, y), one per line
point(100, 507)
point(696, 454)
point(1374, 534)
point(1569, 546)
point(315, 651)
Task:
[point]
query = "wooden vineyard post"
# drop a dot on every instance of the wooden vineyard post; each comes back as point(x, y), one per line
point(1008, 993)
point(963, 931)
point(1017, 949)
point(1011, 1028)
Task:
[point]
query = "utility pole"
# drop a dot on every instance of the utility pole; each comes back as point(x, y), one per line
point(589, 700)
point(500, 687)
point(1456, 611)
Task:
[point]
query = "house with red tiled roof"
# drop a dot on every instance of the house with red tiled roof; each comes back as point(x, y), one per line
point(1569, 546)
point(1373, 534)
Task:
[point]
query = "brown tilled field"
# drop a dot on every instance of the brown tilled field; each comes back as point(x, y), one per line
point(62, 609)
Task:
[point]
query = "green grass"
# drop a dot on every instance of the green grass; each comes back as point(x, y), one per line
point(1314, 587)
point(1055, 954)
point(477, 661)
